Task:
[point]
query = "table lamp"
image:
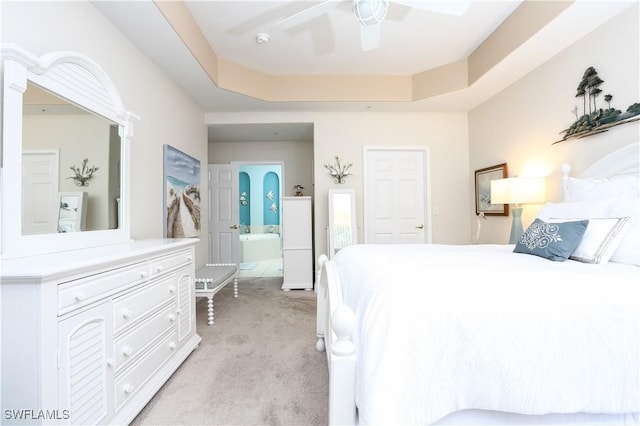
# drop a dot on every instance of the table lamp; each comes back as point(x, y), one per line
point(517, 191)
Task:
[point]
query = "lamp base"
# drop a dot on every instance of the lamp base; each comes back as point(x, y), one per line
point(516, 225)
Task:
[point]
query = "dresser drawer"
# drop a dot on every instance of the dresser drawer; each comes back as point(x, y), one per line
point(128, 384)
point(132, 343)
point(129, 309)
point(167, 263)
point(75, 294)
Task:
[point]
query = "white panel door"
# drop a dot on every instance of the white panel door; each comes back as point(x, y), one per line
point(396, 196)
point(39, 192)
point(224, 236)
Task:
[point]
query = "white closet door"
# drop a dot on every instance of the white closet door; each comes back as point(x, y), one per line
point(396, 196)
point(40, 192)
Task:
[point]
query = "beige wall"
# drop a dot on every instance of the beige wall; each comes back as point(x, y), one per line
point(167, 116)
point(297, 157)
point(346, 134)
point(519, 125)
point(516, 126)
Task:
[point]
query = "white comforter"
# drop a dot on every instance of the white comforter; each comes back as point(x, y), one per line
point(445, 328)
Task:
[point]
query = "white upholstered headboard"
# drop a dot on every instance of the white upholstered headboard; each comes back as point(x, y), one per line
point(624, 161)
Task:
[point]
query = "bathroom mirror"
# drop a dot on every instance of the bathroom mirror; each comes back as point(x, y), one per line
point(342, 230)
point(82, 105)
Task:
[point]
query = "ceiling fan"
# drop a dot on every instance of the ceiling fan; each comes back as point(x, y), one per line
point(371, 13)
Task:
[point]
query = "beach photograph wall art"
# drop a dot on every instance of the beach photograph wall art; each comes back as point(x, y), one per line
point(181, 194)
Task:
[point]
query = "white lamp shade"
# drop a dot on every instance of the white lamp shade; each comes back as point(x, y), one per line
point(517, 190)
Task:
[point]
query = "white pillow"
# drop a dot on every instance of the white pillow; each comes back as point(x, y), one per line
point(601, 238)
point(598, 189)
point(628, 251)
point(583, 209)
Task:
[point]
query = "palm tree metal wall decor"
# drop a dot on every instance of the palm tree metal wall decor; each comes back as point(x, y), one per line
point(596, 120)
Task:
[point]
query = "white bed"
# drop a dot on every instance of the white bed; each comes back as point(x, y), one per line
point(481, 335)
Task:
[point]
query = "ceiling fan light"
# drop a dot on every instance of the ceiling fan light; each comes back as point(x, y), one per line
point(370, 12)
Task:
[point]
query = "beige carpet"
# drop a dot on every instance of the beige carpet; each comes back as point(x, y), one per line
point(257, 365)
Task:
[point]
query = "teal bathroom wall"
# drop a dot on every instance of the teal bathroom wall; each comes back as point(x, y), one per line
point(262, 184)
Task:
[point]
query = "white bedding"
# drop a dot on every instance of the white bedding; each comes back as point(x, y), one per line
point(444, 328)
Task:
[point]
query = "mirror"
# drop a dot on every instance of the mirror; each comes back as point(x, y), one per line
point(72, 212)
point(342, 220)
point(57, 138)
point(59, 110)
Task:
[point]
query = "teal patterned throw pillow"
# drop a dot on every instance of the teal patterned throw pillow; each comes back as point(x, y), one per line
point(553, 241)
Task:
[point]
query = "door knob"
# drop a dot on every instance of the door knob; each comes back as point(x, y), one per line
point(234, 227)
point(421, 226)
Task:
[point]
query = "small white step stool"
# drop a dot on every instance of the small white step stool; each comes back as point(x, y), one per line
point(212, 278)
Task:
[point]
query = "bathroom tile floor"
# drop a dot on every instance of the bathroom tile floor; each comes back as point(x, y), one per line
point(263, 268)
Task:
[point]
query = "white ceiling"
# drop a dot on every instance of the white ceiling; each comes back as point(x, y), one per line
point(412, 40)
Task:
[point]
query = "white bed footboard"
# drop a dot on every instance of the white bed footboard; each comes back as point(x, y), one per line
point(335, 323)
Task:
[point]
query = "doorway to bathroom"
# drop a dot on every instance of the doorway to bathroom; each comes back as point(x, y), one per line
point(260, 191)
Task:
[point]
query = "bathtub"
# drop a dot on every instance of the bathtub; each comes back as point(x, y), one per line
point(256, 247)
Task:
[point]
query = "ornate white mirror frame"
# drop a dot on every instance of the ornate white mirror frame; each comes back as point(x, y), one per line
point(81, 81)
point(342, 230)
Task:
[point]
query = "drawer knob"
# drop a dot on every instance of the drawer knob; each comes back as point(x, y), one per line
point(111, 362)
point(172, 289)
point(173, 344)
point(172, 317)
point(159, 268)
point(127, 388)
point(178, 311)
point(189, 258)
point(80, 296)
point(126, 313)
point(127, 350)
point(143, 274)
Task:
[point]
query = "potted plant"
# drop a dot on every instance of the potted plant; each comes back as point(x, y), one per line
point(298, 189)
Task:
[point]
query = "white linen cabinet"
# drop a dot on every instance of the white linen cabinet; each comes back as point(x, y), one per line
point(297, 243)
point(88, 337)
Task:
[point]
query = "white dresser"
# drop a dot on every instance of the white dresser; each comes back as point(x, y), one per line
point(89, 336)
point(297, 243)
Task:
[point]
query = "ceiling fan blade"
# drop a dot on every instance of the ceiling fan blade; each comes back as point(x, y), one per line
point(306, 14)
point(370, 37)
point(446, 7)
point(322, 35)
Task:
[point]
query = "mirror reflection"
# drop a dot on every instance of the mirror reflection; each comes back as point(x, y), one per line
point(342, 222)
point(64, 148)
point(72, 211)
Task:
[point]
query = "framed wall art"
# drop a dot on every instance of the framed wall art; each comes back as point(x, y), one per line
point(483, 178)
point(181, 194)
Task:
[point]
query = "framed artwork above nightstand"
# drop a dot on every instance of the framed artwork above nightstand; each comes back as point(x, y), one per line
point(483, 178)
